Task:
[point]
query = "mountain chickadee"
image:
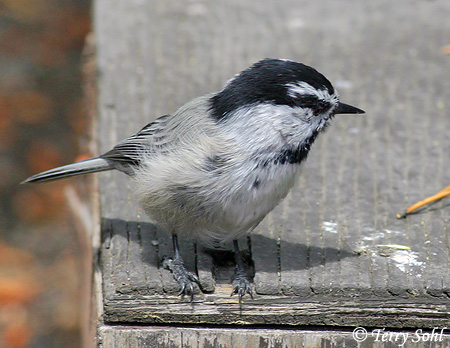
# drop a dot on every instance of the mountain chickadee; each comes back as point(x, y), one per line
point(220, 163)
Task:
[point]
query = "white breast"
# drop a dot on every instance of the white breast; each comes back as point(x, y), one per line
point(183, 195)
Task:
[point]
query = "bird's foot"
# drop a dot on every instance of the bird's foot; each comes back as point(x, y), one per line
point(241, 284)
point(184, 278)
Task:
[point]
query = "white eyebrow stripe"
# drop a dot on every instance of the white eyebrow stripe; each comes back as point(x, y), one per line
point(304, 88)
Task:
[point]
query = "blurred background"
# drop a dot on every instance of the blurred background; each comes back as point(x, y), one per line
point(42, 123)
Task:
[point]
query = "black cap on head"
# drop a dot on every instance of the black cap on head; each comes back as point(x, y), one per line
point(266, 82)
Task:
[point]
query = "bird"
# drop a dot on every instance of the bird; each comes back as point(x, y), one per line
point(213, 169)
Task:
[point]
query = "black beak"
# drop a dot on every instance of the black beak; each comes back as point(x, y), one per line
point(348, 109)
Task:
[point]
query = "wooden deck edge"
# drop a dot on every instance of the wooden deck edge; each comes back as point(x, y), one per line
point(281, 310)
point(133, 337)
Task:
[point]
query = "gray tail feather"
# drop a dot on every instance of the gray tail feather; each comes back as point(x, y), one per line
point(90, 165)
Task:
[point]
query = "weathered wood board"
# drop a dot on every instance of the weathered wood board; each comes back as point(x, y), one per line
point(333, 253)
point(170, 337)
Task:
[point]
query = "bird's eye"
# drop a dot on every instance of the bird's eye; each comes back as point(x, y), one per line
point(321, 107)
point(312, 102)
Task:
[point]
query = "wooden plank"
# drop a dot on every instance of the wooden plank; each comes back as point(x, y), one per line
point(220, 309)
point(333, 253)
point(177, 337)
point(130, 299)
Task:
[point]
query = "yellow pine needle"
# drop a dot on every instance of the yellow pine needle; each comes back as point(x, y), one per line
point(441, 194)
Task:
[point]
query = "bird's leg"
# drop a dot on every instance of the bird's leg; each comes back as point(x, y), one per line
point(183, 277)
point(241, 284)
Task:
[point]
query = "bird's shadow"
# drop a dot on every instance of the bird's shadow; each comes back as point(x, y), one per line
point(147, 243)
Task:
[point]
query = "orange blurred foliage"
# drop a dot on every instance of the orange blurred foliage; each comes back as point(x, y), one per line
point(31, 106)
point(26, 11)
point(77, 118)
point(43, 155)
point(64, 31)
point(16, 336)
point(17, 289)
point(82, 157)
point(40, 42)
point(36, 204)
point(11, 255)
point(7, 124)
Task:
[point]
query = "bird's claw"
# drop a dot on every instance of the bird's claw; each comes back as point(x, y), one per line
point(241, 284)
point(182, 276)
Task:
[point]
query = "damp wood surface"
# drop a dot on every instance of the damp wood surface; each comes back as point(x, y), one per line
point(333, 252)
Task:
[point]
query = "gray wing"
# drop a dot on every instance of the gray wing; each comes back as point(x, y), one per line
point(128, 153)
point(185, 128)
